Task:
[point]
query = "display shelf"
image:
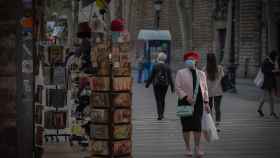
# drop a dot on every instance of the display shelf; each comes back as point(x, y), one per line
point(114, 156)
point(38, 125)
point(99, 108)
point(113, 91)
point(50, 108)
point(122, 108)
point(114, 107)
point(122, 155)
point(119, 124)
point(100, 91)
point(40, 146)
point(122, 75)
point(100, 139)
point(100, 123)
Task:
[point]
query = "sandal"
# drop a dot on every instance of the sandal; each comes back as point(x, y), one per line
point(189, 153)
point(199, 153)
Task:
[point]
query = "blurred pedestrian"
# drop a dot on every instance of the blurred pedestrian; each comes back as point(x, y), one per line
point(147, 67)
point(186, 80)
point(277, 72)
point(268, 69)
point(214, 74)
point(154, 60)
point(161, 78)
point(140, 68)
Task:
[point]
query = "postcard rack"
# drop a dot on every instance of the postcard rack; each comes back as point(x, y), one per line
point(111, 101)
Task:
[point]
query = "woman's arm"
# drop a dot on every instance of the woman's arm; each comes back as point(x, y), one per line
point(205, 96)
point(267, 68)
point(222, 71)
point(179, 86)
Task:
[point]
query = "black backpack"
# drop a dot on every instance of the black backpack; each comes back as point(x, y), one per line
point(161, 77)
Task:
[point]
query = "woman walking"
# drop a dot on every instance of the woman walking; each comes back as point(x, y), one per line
point(186, 80)
point(214, 73)
point(269, 84)
point(161, 78)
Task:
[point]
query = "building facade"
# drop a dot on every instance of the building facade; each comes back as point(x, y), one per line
point(8, 78)
point(240, 32)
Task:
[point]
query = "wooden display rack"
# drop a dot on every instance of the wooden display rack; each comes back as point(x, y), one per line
point(111, 101)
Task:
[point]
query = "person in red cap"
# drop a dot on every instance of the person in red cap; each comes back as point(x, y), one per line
point(191, 88)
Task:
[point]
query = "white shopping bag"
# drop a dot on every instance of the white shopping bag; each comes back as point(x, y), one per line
point(259, 79)
point(209, 130)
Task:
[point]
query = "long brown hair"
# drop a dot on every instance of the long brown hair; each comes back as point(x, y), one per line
point(211, 67)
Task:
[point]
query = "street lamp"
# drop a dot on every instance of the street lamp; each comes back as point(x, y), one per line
point(157, 6)
point(232, 66)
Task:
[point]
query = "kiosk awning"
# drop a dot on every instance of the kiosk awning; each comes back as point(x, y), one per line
point(154, 35)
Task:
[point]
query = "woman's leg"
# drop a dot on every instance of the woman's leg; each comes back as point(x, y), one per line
point(271, 102)
point(211, 102)
point(140, 71)
point(158, 100)
point(146, 73)
point(197, 137)
point(262, 103)
point(163, 91)
point(217, 105)
point(187, 136)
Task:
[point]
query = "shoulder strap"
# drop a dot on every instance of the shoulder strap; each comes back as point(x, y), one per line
point(196, 86)
point(269, 60)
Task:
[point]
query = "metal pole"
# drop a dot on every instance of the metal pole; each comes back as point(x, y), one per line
point(111, 108)
point(232, 67)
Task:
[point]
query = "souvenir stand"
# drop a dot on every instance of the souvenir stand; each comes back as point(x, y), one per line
point(55, 110)
point(111, 98)
point(39, 108)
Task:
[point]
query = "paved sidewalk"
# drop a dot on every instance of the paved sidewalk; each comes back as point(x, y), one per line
point(63, 150)
point(244, 134)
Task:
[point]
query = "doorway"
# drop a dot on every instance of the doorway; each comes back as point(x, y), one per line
point(278, 35)
point(221, 44)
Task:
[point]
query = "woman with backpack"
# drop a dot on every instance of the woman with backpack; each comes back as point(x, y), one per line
point(214, 74)
point(161, 78)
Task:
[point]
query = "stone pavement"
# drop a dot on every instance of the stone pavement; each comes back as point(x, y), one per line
point(63, 150)
point(243, 133)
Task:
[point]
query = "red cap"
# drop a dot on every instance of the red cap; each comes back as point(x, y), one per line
point(117, 25)
point(192, 55)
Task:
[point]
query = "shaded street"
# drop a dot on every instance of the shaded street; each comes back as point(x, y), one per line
point(243, 133)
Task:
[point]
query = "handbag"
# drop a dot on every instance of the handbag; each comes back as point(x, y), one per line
point(184, 108)
point(259, 79)
point(226, 84)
